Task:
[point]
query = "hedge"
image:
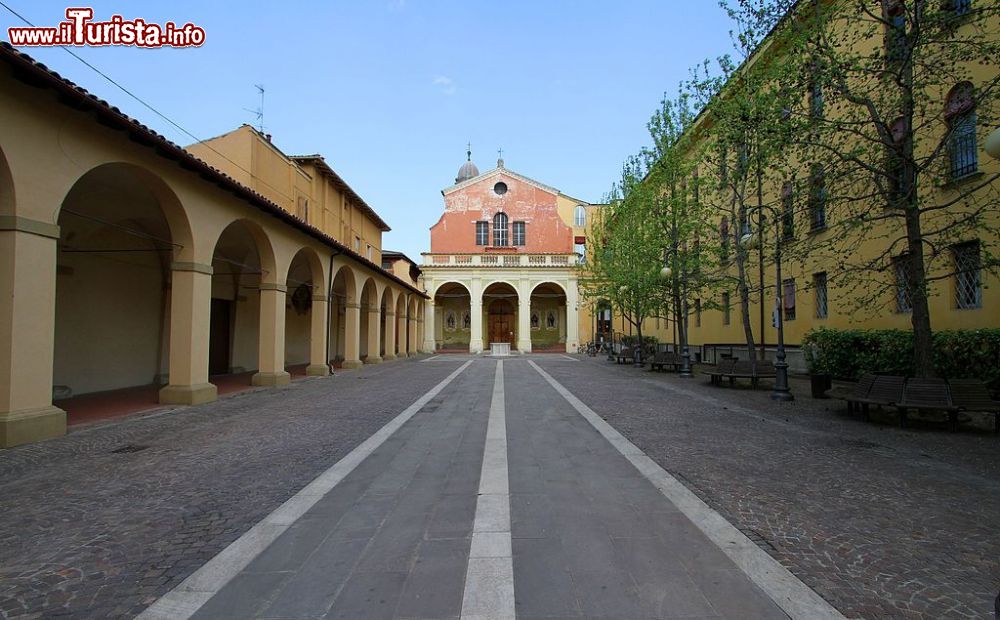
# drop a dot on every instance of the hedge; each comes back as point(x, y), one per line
point(958, 354)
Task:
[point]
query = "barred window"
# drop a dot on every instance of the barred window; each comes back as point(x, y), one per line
point(968, 276)
point(724, 237)
point(500, 229)
point(787, 211)
point(482, 233)
point(960, 113)
point(788, 301)
point(518, 233)
point(725, 309)
point(817, 198)
point(819, 286)
point(816, 100)
point(961, 7)
point(901, 273)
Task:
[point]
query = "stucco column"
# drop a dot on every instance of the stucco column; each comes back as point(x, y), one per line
point(411, 341)
point(572, 317)
point(317, 338)
point(524, 316)
point(374, 337)
point(429, 324)
point(27, 335)
point(390, 335)
point(476, 309)
point(352, 335)
point(271, 350)
point(190, 301)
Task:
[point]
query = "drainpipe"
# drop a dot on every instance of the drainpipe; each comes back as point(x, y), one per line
point(329, 310)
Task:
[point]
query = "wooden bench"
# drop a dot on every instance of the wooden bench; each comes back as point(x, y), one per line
point(625, 356)
point(927, 394)
point(972, 395)
point(853, 393)
point(663, 359)
point(886, 391)
point(747, 369)
point(722, 368)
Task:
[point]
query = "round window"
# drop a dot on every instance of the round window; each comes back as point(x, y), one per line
point(500, 188)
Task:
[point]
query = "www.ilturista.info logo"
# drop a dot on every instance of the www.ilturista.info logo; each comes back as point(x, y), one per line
point(79, 29)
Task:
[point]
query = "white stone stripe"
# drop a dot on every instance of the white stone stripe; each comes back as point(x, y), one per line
point(794, 597)
point(187, 598)
point(433, 357)
point(489, 580)
point(572, 359)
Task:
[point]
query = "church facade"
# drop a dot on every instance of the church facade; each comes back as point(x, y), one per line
point(503, 265)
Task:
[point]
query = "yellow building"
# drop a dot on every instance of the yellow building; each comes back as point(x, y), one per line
point(962, 293)
point(127, 262)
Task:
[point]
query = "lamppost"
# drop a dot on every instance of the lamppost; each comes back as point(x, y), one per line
point(781, 391)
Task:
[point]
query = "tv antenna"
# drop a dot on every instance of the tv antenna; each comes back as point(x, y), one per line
point(259, 111)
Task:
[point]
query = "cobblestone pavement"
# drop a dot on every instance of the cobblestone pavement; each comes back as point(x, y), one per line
point(92, 533)
point(882, 522)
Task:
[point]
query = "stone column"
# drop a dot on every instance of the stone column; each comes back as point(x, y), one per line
point(271, 350)
point(352, 335)
point(190, 301)
point(572, 317)
point(374, 337)
point(27, 334)
point(318, 338)
point(390, 335)
point(430, 345)
point(524, 316)
point(476, 309)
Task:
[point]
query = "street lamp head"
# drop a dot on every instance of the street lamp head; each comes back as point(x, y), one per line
point(748, 240)
point(993, 144)
point(666, 272)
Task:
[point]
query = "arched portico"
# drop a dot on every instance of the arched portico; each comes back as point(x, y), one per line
point(113, 316)
point(346, 318)
point(369, 323)
point(306, 314)
point(500, 315)
point(452, 327)
point(548, 317)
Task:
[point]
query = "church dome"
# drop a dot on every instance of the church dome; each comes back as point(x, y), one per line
point(468, 169)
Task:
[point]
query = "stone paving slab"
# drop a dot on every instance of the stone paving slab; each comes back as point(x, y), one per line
point(599, 540)
point(389, 541)
point(89, 533)
point(882, 522)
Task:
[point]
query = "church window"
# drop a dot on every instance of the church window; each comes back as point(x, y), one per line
point(518, 230)
point(500, 230)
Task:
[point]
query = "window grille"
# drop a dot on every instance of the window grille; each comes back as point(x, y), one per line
point(819, 285)
point(787, 211)
point(789, 299)
point(968, 277)
point(482, 233)
point(962, 146)
point(961, 7)
point(817, 198)
point(500, 229)
point(519, 233)
point(901, 272)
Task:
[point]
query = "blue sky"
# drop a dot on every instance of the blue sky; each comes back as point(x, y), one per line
point(390, 91)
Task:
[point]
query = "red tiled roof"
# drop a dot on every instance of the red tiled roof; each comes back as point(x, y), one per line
point(28, 70)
